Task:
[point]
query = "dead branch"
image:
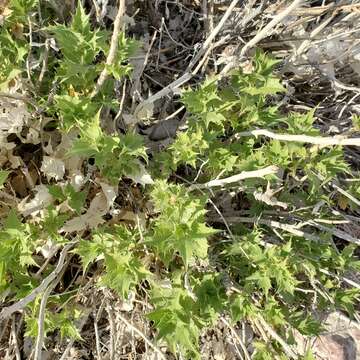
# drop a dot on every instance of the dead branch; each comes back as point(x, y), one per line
point(292, 229)
point(315, 140)
point(189, 73)
point(336, 232)
point(15, 340)
point(20, 305)
point(287, 349)
point(41, 319)
point(16, 96)
point(118, 23)
point(265, 32)
point(82, 323)
point(236, 178)
point(213, 34)
point(142, 335)
point(111, 317)
point(339, 189)
point(341, 278)
point(237, 337)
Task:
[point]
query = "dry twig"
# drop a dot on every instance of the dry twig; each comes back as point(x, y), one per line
point(118, 23)
point(212, 35)
point(189, 73)
point(15, 340)
point(340, 190)
point(41, 318)
point(8, 311)
point(315, 140)
point(264, 32)
point(292, 229)
point(45, 61)
point(287, 349)
point(345, 193)
point(142, 335)
point(83, 321)
point(270, 170)
point(341, 278)
point(96, 329)
point(16, 96)
point(267, 30)
point(111, 316)
point(237, 337)
point(339, 233)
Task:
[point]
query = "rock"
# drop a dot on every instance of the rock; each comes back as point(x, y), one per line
point(164, 129)
point(335, 347)
point(340, 341)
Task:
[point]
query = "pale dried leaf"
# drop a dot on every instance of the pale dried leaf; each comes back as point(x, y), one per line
point(13, 116)
point(72, 163)
point(77, 180)
point(110, 193)
point(99, 206)
point(127, 305)
point(268, 197)
point(142, 177)
point(125, 215)
point(41, 200)
point(83, 222)
point(48, 249)
point(53, 168)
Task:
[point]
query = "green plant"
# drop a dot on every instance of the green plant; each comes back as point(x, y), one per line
point(196, 265)
point(115, 156)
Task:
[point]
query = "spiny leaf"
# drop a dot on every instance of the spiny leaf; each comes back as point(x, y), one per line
point(123, 272)
point(3, 176)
